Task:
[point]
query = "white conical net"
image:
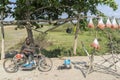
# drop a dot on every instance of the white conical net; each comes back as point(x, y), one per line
point(95, 44)
point(101, 25)
point(108, 23)
point(90, 24)
point(114, 24)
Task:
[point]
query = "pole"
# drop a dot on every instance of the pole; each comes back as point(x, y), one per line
point(76, 36)
point(2, 32)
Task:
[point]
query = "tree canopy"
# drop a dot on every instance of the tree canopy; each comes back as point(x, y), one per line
point(53, 9)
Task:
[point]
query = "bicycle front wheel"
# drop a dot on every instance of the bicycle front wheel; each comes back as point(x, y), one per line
point(10, 66)
point(45, 64)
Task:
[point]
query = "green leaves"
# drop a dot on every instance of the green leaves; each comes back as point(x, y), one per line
point(5, 8)
point(110, 3)
point(52, 9)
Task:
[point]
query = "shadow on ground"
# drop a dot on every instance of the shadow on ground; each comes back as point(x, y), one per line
point(83, 67)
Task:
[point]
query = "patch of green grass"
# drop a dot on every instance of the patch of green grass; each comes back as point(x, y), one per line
point(62, 42)
point(12, 36)
point(65, 40)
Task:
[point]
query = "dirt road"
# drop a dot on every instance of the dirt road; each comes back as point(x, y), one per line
point(78, 71)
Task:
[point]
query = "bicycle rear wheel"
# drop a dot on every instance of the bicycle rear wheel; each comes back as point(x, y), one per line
point(10, 66)
point(45, 64)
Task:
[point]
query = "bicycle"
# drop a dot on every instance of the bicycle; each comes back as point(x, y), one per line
point(12, 65)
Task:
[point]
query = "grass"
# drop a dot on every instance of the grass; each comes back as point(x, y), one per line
point(59, 38)
point(12, 36)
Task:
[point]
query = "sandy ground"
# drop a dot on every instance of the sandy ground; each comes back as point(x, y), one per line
point(78, 71)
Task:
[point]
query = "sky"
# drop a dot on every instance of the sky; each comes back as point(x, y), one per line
point(105, 9)
point(109, 11)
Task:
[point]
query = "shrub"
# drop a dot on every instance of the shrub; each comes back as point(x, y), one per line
point(42, 40)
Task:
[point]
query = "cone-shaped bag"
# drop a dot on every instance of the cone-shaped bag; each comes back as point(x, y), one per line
point(95, 44)
point(108, 23)
point(114, 24)
point(90, 24)
point(101, 25)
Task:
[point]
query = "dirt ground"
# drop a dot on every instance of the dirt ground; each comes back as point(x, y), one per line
point(78, 71)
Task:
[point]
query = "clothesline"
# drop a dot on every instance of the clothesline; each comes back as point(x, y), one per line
point(74, 18)
point(104, 17)
point(110, 22)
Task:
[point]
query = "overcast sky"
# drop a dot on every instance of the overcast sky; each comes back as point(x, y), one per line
point(105, 9)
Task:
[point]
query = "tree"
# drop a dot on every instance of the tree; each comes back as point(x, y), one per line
point(51, 10)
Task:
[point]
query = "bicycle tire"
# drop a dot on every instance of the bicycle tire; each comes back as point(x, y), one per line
point(45, 64)
point(10, 66)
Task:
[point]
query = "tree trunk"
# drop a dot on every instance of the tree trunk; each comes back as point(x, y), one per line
point(2, 48)
point(76, 37)
point(75, 40)
point(30, 33)
point(28, 26)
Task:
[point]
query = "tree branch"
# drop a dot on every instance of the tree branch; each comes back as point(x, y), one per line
point(46, 7)
point(54, 27)
point(60, 20)
point(39, 9)
point(12, 2)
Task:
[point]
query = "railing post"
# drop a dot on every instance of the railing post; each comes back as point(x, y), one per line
point(2, 32)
